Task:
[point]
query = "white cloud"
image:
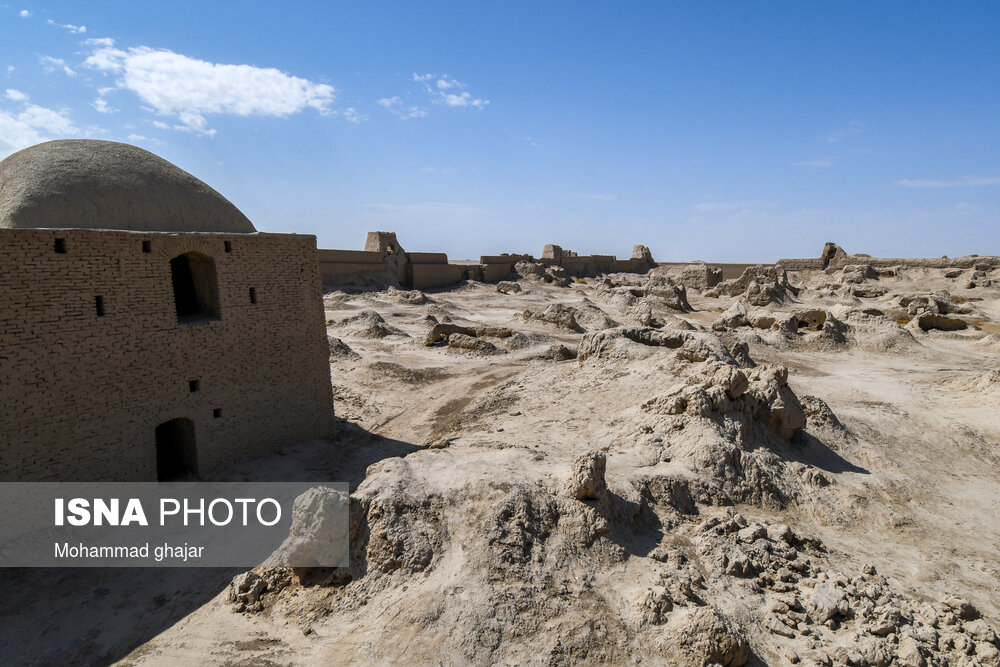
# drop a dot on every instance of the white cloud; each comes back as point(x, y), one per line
point(464, 99)
point(189, 89)
point(75, 29)
point(25, 14)
point(531, 142)
point(102, 105)
point(136, 137)
point(729, 206)
point(813, 163)
point(50, 64)
point(439, 94)
point(849, 130)
point(33, 124)
point(962, 182)
point(601, 197)
point(10, 69)
point(396, 105)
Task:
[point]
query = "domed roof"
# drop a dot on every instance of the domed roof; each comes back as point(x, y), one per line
point(90, 184)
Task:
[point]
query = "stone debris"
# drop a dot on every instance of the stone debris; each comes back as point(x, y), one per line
point(508, 287)
point(587, 480)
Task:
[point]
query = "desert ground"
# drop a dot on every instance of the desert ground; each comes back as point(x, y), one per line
point(794, 467)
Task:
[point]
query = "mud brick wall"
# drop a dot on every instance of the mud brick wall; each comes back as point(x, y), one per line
point(82, 392)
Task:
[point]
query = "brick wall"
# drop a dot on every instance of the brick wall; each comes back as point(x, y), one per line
point(81, 394)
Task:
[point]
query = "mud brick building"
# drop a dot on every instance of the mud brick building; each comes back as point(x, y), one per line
point(147, 330)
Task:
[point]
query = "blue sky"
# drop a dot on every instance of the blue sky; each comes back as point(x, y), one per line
point(717, 131)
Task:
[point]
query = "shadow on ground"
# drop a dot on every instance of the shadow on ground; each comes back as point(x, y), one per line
point(95, 616)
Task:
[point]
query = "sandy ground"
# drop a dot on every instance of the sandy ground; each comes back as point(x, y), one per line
point(906, 485)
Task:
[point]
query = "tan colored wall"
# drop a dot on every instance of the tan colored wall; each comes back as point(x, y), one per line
point(967, 262)
point(428, 276)
point(427, 257)
point(729, 271)
point(81, 395)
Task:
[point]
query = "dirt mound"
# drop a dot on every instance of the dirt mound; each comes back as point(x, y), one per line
point(366, 324)
point(989, 343)
point(341, 350)
point(559, 314)
point(760, 285)
point(592, 318)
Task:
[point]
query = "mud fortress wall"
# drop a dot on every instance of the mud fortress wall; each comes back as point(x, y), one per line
point(85, 386)
point(384, 260)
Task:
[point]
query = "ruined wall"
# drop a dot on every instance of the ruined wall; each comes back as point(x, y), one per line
point(729, 270)
point(341, 265)
point(82, 393)
point(967, 262)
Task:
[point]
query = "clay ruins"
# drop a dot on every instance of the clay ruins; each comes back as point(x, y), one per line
point(555, 460)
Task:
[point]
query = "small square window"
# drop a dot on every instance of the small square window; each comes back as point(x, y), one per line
point(147, 246)
point(194, 385)
point(60, 246)
point(229, 246)
point(217, 413)
point(99, 305)
point(253, 295)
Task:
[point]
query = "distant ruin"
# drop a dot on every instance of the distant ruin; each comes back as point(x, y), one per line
point(148, 330)
point(384, 260)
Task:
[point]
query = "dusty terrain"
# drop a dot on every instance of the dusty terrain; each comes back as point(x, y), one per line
point(655, 469)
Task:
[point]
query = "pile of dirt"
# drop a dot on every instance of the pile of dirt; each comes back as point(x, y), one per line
point(760, 285)
point(366, 324)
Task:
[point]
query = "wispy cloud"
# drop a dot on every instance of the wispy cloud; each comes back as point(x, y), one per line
point(352, 115)
point(600, 197)
point(188, 89)
point(30, 125)
point(25, 14)
point(50, 64)
point(102, 106)
point(75, 29)
point(849, 130)
point(962, 182)
point(813, 163)
point(401, 109)
point(447, 91)
point(730, 206)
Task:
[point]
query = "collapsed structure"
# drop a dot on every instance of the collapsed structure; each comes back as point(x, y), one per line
point(147, 330)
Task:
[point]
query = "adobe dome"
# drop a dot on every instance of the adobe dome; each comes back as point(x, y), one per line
point(90, 184)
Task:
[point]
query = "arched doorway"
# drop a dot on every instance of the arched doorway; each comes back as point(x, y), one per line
point(176, 452)
point(196, 292)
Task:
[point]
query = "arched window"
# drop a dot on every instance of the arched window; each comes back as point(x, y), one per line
point(176, 453)
point(196, 292)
